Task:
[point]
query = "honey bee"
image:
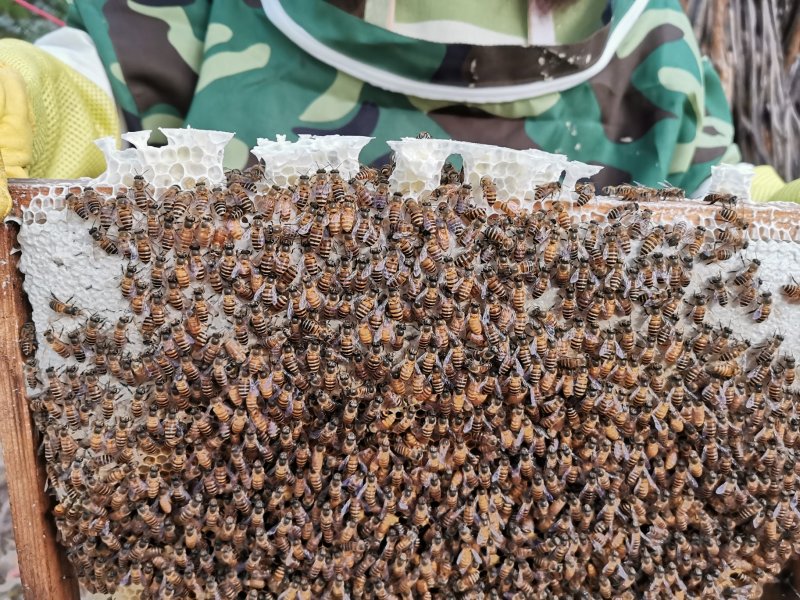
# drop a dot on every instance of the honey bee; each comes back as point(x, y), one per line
point(721, 369)
point(718, 255)
point(547, 190)
point(77, 204)
point(652, 240)
point(106, 243)
point(698, 310)
point(27, 340)
point(141, 192)
point(791, 290)
point(722, 198)
point(58, 346)
point(92, 200)
point(763, 307)
point(585, 192)
point(720, 290)
point(489, 190)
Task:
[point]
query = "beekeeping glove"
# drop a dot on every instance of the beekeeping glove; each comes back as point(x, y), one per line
point(768, 186)
point(16, 132)
point(50, 115)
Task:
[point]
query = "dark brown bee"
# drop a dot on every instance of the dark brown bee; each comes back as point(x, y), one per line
point(676, 233)
point(27, 340)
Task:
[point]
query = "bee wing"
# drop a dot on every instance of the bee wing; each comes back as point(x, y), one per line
point(620, 450)
point(259, 291)
point(417, 270)
point(443, 448)
point(758, 519)
point(534, 396)
point(468, 424)
point(304, 299)
point(722, 400)
point(650, 479)
point(448, 358)
point(290, 406)
point(519, 439)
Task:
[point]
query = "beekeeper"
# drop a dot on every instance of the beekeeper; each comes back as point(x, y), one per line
point(618, 83)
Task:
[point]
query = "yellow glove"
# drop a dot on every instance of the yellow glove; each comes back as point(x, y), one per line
point(50, 116)
point(16, 123)
point(768, 186)
point(16, 132)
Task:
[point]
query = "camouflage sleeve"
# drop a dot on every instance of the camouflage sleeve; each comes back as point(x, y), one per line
point(153, 73)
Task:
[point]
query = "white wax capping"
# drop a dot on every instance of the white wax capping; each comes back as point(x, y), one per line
point(199, 152)
point(418, 162)
point(516, 173)
point(732, 179)
point(285, 161)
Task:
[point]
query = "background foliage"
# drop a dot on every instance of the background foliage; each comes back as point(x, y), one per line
point(17, 22)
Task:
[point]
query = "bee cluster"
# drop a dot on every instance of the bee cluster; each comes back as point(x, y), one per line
point(342, 392)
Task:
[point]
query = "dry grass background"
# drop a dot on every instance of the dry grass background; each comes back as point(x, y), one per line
point(755, 45)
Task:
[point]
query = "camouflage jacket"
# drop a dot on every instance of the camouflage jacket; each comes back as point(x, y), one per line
point(635, 95)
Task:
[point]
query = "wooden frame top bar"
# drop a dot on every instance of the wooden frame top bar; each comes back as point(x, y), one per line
point(779, 221)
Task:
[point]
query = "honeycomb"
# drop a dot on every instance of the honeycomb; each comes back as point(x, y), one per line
point(516, 173)
point(285, 161)
point(395, 383)
point(189, 155)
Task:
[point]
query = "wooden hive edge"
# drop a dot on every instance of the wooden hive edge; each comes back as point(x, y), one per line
point(774, 221)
